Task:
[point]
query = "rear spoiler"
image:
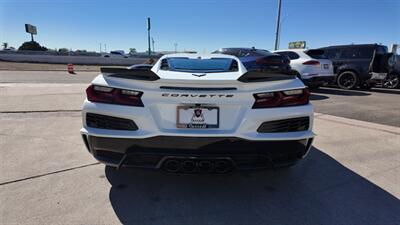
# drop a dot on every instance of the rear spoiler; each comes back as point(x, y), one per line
point(262, 76)
point(135, 74)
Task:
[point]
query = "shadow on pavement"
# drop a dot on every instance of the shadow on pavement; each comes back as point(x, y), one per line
point(334, 91)
point(318, 190)
point(315, 97)
point(386, 91)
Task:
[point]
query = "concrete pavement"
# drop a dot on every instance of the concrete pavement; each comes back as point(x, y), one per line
point(350, 177)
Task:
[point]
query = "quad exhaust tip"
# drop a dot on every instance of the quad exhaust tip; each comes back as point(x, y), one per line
point(191, 166)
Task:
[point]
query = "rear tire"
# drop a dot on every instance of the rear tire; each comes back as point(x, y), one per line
point(392, 81)
point(347, 80)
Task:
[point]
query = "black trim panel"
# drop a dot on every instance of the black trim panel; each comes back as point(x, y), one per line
point(198, 88)
point(136, 74)
point(262, 76)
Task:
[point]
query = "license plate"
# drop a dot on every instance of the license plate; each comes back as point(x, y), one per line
point(197, 117)
point(326, 66)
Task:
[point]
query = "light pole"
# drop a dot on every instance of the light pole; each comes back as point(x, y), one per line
point(148, 34)
point(278, 23)
point(100, 47)
point(176, 47)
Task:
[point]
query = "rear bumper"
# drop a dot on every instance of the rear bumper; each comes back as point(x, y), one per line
point(151, 152)
point(318, 79)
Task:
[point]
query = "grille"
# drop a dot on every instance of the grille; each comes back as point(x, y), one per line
point(109, 122)
point(288, 125)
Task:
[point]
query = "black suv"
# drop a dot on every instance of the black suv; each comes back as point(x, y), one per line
point(358, 65)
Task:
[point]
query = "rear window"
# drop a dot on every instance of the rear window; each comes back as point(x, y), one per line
point(198, 65)
point(290, 55)
point(316, 54)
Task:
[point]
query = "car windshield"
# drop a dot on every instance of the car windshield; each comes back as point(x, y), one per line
point(199, 65)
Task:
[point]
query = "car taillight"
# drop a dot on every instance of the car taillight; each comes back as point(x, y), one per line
point(111, 95)
point(281, 98)
point(311, 62)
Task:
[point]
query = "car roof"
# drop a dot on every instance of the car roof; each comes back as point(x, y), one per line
point(198, 55)
point(292, 50)
point(353, 45)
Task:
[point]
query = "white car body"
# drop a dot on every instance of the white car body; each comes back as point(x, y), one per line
point(315, 74)
point(116, 54)
point(162, 97)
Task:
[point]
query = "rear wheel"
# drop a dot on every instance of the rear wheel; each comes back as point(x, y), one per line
point(392, 81)
point(347, 80)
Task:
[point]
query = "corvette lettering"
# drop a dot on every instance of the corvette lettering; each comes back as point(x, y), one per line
point(198, 95)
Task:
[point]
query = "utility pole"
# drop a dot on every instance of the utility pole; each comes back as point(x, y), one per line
point(152, 41)
point(176, 47)
point(278, 23)
point(148, 34)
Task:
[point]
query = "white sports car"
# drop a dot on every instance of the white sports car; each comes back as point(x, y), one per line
point(194, 113)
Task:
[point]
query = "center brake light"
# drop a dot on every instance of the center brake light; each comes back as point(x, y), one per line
point(116, 96)
point(281, 98)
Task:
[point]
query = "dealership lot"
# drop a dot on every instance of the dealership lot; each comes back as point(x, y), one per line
point(350, 177)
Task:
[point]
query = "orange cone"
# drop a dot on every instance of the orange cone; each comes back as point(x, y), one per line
point(71, 68)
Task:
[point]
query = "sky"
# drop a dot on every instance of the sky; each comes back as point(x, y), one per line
point(199, 25)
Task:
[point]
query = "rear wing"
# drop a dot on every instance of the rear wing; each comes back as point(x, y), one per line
point(262, 76)
point(135, 73)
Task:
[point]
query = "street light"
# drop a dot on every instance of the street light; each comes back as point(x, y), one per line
point(278, 22)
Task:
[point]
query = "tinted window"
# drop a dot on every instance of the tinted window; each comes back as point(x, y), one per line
point(357, 53)
point(316, 54)
point(200, 65)
point(290, 55)
point(332, 53)
point(365, 53)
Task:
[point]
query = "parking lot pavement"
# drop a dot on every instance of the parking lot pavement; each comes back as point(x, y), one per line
point(351, 176)
point(377, 105)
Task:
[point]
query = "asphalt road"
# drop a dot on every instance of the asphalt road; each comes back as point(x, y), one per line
point(377, 105)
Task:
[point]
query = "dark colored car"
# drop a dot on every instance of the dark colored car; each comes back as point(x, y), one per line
point(358, 65)
point(258, 59)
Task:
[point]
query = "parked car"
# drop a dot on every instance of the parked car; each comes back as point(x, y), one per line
point(196, 113)
point(310, 65)
point(258, 59)
point(116, 54)
point(360, 65)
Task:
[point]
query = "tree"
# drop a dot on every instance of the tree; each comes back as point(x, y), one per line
point(33, 46)
point(132, 51)
point(5, 45)
point(63, 50)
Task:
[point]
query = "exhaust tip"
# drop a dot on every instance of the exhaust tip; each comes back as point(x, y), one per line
point(188, 166)
point(223, 166)
point(205, 166)
point(172, 166)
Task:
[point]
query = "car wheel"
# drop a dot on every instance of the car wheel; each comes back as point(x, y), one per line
point(392, 81)
point(347, 80)
point(365, 86)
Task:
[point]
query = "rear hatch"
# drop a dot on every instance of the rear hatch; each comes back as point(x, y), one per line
point(173, 97)
point(325, 66)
